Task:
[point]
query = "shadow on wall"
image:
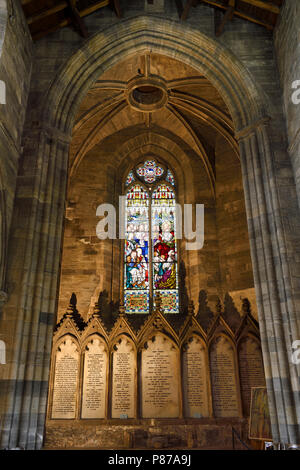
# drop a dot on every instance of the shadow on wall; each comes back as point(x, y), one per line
point(183, 295)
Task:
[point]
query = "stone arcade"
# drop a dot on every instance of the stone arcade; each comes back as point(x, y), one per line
point(131, 371)
point(141, 343)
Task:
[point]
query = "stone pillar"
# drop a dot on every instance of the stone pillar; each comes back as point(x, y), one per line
point(273, 254)
point(35, 262)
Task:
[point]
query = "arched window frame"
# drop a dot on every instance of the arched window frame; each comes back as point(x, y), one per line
point(150, 188)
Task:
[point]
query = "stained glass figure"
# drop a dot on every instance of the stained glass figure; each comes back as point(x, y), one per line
point(165, 277)
point(137, 250)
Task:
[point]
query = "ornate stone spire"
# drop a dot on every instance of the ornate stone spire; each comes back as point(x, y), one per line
point(71, 310)
point(246, 307)
point(96, 312)
point(219, 306)
point(73, 313)
point(191, 308)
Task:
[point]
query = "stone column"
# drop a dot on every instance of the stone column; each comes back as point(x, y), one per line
point(273, 253)
point(35, 250)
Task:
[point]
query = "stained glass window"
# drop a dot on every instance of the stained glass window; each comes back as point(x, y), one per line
point(150, 247)
point(137, 250)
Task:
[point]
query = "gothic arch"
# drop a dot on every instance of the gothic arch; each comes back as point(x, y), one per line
point(161, 36)
point(269, 235)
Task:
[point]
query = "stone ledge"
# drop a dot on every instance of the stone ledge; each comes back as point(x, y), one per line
point(207, 433)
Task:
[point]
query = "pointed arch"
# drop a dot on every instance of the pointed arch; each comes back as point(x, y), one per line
point(271, 236)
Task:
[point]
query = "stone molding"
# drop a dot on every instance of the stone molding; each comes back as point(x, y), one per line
point(248, 130)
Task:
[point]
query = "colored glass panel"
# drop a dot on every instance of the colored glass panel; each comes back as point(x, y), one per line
point(165, 277)
point(130, 179)
point(170, 178)
point(169, 300)
point(150, 171)
point(137, 301)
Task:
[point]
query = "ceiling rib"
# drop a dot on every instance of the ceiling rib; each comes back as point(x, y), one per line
point(209, 121)
point(197, 141)
point(89, 140)
point(196, 103)
point(98, 108)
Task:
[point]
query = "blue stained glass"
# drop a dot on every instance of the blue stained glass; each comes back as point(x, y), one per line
point(170, 178)
point(169, 301)
point(150, 171)
point(130, 179)
point(136, 301)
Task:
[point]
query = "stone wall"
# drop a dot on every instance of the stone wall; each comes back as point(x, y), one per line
point(245, 54)
point(87, 261)
point(236, 271)
point(90, 265)
point(15, 72)
point(210, 434)
point(136, 361)
point(287, 47)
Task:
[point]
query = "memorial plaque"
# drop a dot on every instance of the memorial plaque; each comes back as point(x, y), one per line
point(160, 379)
point(223, 379)
point(124, 379)
point(94, 388)
point(65, 380)
point(195, 379)
point(251, 370)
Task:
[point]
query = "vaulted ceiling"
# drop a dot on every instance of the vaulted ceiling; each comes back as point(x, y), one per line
point(45, 16)
point(158, 94)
